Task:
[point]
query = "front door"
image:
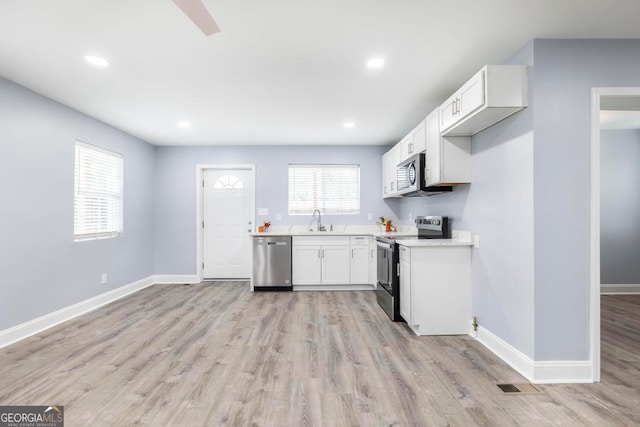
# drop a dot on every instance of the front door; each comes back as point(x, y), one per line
point(228, 220)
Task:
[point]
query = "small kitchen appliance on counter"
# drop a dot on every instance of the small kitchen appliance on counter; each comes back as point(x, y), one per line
point(388, 286)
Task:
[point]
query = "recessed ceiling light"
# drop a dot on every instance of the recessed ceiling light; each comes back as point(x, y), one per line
point(96, 60)
point(184, 124)
point(349, 124)
point(375, 63)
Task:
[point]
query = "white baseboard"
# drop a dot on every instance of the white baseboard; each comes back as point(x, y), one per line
point(619, 289)
point(32, 327)
point(563, 372)
point(175, 278)
point(542, 372)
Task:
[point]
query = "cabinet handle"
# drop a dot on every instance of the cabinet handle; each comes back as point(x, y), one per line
point(458, 106)
point(351, 253)
point(453, 108)
point(319, 254)
point(398, 269)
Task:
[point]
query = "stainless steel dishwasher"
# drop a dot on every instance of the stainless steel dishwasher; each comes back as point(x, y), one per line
point(272, 263)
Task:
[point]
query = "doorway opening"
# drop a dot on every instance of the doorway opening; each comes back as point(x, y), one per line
point(611, 108)
point(225, 218)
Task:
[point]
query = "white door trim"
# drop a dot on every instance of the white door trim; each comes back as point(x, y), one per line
point(200, 206)
point(594, 219)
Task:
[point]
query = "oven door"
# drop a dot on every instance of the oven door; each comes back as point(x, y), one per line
point(385, 265)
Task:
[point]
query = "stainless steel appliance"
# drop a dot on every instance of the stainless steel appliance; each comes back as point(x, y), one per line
point(272, 263)
point(411, 180)
point(388, 289)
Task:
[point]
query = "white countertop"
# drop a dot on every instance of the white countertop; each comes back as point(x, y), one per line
point(338, 230)
point(424, 243)
point(459, 237)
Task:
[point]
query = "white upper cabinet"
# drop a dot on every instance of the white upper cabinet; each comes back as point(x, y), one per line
point(492, 94)
point(390, 161)
point(414, 142)
point(447, 158)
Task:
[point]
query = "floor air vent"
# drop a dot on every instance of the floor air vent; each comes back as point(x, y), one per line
point(522, 388)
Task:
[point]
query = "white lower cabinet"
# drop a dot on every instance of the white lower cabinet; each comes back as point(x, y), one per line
point(307, 264)
point(325, 261)
point(435, 289)
point(335, 265)
point(405, 284)
point(359, 260)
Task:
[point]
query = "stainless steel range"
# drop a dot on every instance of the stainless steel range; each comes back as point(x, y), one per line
point(388, 289)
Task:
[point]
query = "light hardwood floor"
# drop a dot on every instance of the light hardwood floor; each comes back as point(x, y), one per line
point(216, 354)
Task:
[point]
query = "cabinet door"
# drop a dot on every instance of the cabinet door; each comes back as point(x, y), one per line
point(335, 265)
point(406, 147)
point(385, 174)
point(390, 162)
point(389, 168)
point(419, 138)
point(405, 291)
point(360, 265)
point(433, 155)
point(394, 159)
point(448, 111)
point(471, 95)
point(306, 265)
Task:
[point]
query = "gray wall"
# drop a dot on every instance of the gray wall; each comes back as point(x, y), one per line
point(566, 70)
point(41, 268)
point(175, 191)
point(620, 207)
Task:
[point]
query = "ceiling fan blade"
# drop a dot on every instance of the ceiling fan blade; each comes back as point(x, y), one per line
point(199, 15)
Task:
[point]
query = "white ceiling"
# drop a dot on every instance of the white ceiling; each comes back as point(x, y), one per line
point(281, 71)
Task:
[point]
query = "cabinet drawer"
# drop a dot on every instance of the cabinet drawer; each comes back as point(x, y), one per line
point(359, 240)
point(405, 253)
point(320, 240)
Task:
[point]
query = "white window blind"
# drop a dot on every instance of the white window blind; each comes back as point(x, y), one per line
point(332, 189)
point(97, 211)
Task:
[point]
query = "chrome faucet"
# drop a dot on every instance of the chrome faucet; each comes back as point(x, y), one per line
point(320, 227)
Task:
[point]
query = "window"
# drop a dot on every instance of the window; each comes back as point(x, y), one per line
point(228, 182)
point(332, 189)
point(97, 210)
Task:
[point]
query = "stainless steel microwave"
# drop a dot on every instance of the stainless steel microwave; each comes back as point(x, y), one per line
point(410, 177)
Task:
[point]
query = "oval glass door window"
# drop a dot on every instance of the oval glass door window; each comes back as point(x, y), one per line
point(412, 174)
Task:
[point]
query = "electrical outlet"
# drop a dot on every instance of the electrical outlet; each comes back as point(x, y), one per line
point(410, 217)
point(278, 217)
point(369, 216)
point(103, 279)
point(476, 241)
